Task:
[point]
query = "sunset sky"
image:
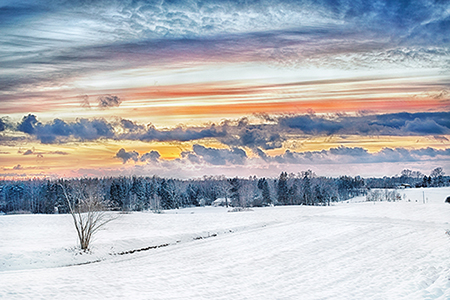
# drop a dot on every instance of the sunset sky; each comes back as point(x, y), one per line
point(192, 88)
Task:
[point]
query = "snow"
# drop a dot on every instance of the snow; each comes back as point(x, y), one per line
point(351, 250)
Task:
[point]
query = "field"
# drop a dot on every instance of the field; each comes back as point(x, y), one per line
point(350, 250)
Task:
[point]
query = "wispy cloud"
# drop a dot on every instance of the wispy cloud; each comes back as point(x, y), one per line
point(41, 153)
point(87, 37)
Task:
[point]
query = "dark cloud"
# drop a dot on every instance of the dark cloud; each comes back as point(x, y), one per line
point(395, 121)
point(417, 123)
point(136, 132)
point(241, 133)
point(28, 124)
point(152, 156)
point(41, 154)
point(149, 157)
point(431, 152)
point(255, 137)
point(108, 101)
point(14, 14)
point(2, 125)
point(28, 152)
point(82, 129)
point(356, 155)
point(126, 156)
point(266, 136)
point(130, 126)
point(213, 156)
point(346, 151)
point(48, 133)
point(225, 159)
point(398, 124)
point(425, 127)
point(312, 125)
point(93, 129)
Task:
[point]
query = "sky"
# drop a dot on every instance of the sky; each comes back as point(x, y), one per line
point(236, 88)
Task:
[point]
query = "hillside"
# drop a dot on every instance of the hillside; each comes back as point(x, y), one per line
point(351, 250)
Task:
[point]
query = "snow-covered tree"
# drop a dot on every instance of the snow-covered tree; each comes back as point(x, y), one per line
point(283, 191)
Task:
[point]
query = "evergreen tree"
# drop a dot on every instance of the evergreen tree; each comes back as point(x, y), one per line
point(293, 193)
point(193, 193)
point(234, 191)
point(50, 198)
point(283, 192)
point(138, 194)
point(265, 192)
point(318, 196)
point(307, 193)
point(116, 194)
point(167, 194)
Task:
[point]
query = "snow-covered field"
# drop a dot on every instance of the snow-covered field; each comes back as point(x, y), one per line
point(351, 250)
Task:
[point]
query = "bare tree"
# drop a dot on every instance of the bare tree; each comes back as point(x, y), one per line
point(438, 176)
point(88, 210)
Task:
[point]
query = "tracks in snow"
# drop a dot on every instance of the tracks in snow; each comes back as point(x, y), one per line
point(189, 238)
point(207, 235)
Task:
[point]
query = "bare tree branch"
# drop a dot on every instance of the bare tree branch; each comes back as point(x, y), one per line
point(88, 211)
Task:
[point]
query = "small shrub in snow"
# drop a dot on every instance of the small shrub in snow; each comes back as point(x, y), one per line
point(19, 212)
point(383, 195)
point(237, 209)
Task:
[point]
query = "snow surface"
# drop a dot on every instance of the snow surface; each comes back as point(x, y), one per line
point(351, 250)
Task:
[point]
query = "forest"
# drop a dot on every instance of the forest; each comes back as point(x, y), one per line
point(48, 196)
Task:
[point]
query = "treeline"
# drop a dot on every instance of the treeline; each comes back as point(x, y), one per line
point(411, 178)
point(156, 193)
